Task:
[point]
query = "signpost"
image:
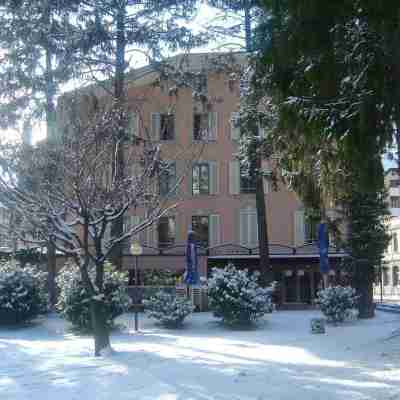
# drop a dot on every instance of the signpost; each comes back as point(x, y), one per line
point(136, 250)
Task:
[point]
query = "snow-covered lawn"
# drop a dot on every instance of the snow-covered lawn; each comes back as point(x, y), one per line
point(279, 360)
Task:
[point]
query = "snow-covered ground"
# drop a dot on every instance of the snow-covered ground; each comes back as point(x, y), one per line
point(205, 361)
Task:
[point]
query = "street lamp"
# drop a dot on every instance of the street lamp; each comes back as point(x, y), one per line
point(136, 250)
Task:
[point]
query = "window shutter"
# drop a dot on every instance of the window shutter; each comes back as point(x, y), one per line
point(299, 228)
point(234, 177)
point(267, 185)
point(215, 230)
point(151, 235)
point(244, 229)
point(235, 126)
point(106, 238)
point(214, 178)
point(253, 229)
point(155, 126)
point(133, 126)
point(212, 125)
point(190, 179)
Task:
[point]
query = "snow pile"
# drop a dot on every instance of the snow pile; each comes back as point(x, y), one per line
point(23, 293)
point(235, 296)
point(338, 303)
point(280, 360)
point(168, 309)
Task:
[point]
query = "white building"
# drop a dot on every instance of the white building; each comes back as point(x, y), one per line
point(388, 281)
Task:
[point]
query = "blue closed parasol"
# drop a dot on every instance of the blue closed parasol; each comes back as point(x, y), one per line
point(192, 274)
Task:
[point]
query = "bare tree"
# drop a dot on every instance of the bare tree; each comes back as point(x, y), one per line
point(76, 213)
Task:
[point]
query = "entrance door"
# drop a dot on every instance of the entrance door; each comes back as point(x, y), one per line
point(305, 288)
point(290, 285)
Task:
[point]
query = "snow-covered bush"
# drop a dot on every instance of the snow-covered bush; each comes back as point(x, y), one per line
point(337, 303)
point(168, 309)
point(74, 299)
point(235, 296)
point(23, 293)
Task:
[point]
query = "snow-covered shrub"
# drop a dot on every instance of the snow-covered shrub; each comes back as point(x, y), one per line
point(168, 309)
point(235, 296)
point(23, 293)
point(337, 303)
point(159, 277)
point(74, 299)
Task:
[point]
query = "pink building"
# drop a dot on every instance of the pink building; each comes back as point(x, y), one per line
point(213, 199)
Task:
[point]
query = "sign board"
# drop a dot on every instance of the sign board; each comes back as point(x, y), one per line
point(288, 273)
point(300, 272)
point(136, 249)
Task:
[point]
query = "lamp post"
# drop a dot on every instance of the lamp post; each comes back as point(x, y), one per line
point(136, 251)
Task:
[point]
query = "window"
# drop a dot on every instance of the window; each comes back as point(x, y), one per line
point(167, 127)
point(166, 231)
point(395, 276)
point(248, 229)
point(167, 178)
point(394, 183)
point(201, 179)
point(200, 228)
point(200, 126)
point(395, 243)
point(395, 202)
point(385, 272)
point(247, 182)
point(310, 230)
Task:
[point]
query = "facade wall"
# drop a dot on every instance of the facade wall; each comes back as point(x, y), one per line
point(387, 283)
point(227, 205)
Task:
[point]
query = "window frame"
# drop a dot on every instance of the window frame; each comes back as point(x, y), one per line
point(171, 235)
point(197, 235)
point(167, 119)
point(168, 179)
point(201, 190)
point(206, 117)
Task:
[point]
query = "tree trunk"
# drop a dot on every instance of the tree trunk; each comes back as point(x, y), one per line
point(366, 307)
point(263, 242)
point(363, 283)
point(120, 99)
point(52, 138)
point(100, 330)
point(51, 274)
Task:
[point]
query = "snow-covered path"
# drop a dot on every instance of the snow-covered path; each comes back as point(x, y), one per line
point(205, 361)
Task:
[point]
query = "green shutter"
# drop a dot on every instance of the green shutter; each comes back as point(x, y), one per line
point(155, 126)
point(133, 126)
point(235, 126)
point(214, 177)
point(299, 228)
point(212, 125)
point(215, 230)
point(234, 177)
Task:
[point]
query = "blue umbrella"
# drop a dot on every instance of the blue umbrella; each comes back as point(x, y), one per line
point(192, 274)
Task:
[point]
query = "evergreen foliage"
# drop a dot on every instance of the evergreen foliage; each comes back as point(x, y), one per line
point(168, 309)
point(74, 298)
point(337, 303)
point(23, 293)
point(332, 72)
point(235, 296)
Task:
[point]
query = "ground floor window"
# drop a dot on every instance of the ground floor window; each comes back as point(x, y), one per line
point(200, 224)
point(166, 231)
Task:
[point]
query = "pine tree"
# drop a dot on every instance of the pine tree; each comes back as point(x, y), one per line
point(331, 69)
point(109, 33)
point(250, 126)
point(36, 62)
